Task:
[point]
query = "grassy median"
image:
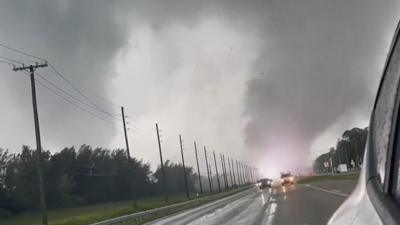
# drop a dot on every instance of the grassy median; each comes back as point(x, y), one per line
point(310, 179)
point(94, 213)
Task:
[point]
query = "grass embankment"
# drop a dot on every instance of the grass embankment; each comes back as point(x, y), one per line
point(310, 179)
point(94, 213)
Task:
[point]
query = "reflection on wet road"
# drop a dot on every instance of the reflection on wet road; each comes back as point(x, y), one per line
point(292, 204)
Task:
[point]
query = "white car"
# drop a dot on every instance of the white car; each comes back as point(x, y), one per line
point(376, 199)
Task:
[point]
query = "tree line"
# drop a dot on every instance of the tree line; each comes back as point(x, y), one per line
point(349, 150)
point(81, 176)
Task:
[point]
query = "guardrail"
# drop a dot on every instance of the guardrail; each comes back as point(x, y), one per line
point(158, 212)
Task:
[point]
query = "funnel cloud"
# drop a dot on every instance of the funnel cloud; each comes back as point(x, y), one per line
point(267, 82)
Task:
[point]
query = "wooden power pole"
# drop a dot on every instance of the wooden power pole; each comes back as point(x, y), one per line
point(31, 69)
point(184, 169)
point(164, 179)
point(198, 168)
point(208, 169)
point(216, 171)
point(132, 181)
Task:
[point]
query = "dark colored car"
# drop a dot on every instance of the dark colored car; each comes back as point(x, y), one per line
point(376, 199)
point(264, 183)
point(287, 178)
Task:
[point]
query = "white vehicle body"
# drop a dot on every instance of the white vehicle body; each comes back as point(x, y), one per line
point(342, 168)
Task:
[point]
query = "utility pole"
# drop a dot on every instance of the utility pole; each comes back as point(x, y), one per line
point(208, 169)
point(247, 173)
point(126, 135)
point(129, 157)
point(216, 171)
point(251, 175)
point(230, 172)
point(162, 166)
point(31, 69)
point(184, 169)
point(198, 168)
point(223, 170)
point(226, 171)
point(241, 174)
point(212, 184)
point(233, 172)
point(244, 172)
point(238, 174)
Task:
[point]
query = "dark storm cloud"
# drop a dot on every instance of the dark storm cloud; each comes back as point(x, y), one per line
point(316, 62)
point(80, 38)
point(317, 65)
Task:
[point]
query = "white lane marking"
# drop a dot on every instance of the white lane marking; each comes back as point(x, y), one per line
point(205, 217)
point(188, 213)
point(262, 199)
point(271, 213)
point(248, 215)
point(218, 211)
point(335, 192)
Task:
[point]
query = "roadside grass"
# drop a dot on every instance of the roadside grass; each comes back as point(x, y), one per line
point(310, 179)
point(91, 213)
point(94, 213)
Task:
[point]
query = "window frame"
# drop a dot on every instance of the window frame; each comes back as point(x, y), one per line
point(378, 192)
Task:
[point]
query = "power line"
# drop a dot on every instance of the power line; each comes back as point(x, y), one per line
point(10, 59)
point(42, 194)
point(90, 103)
point(21, 52)
point(73, 103)
point(55, 70)
point(75, 88)
point(6, 62)
point(70, 95)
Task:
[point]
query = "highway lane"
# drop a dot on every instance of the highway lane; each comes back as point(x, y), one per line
point(298, 204)
point(309, 204)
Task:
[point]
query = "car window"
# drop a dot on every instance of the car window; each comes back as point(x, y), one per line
point(383, 113)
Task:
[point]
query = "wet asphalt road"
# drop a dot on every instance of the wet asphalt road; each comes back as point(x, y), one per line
point(300, 204)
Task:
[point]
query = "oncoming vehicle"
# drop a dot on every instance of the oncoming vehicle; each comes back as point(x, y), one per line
point(376, 199)
point(287, 178)
point(264, 183)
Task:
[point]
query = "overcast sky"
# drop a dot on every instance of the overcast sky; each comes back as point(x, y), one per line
point(272, 83)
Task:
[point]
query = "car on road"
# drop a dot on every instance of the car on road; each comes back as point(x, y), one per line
point(376, 199)
point(264, 183)
point(287, 178)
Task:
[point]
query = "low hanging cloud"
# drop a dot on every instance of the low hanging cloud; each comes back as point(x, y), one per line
point(258, 80)
point(318, 66)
